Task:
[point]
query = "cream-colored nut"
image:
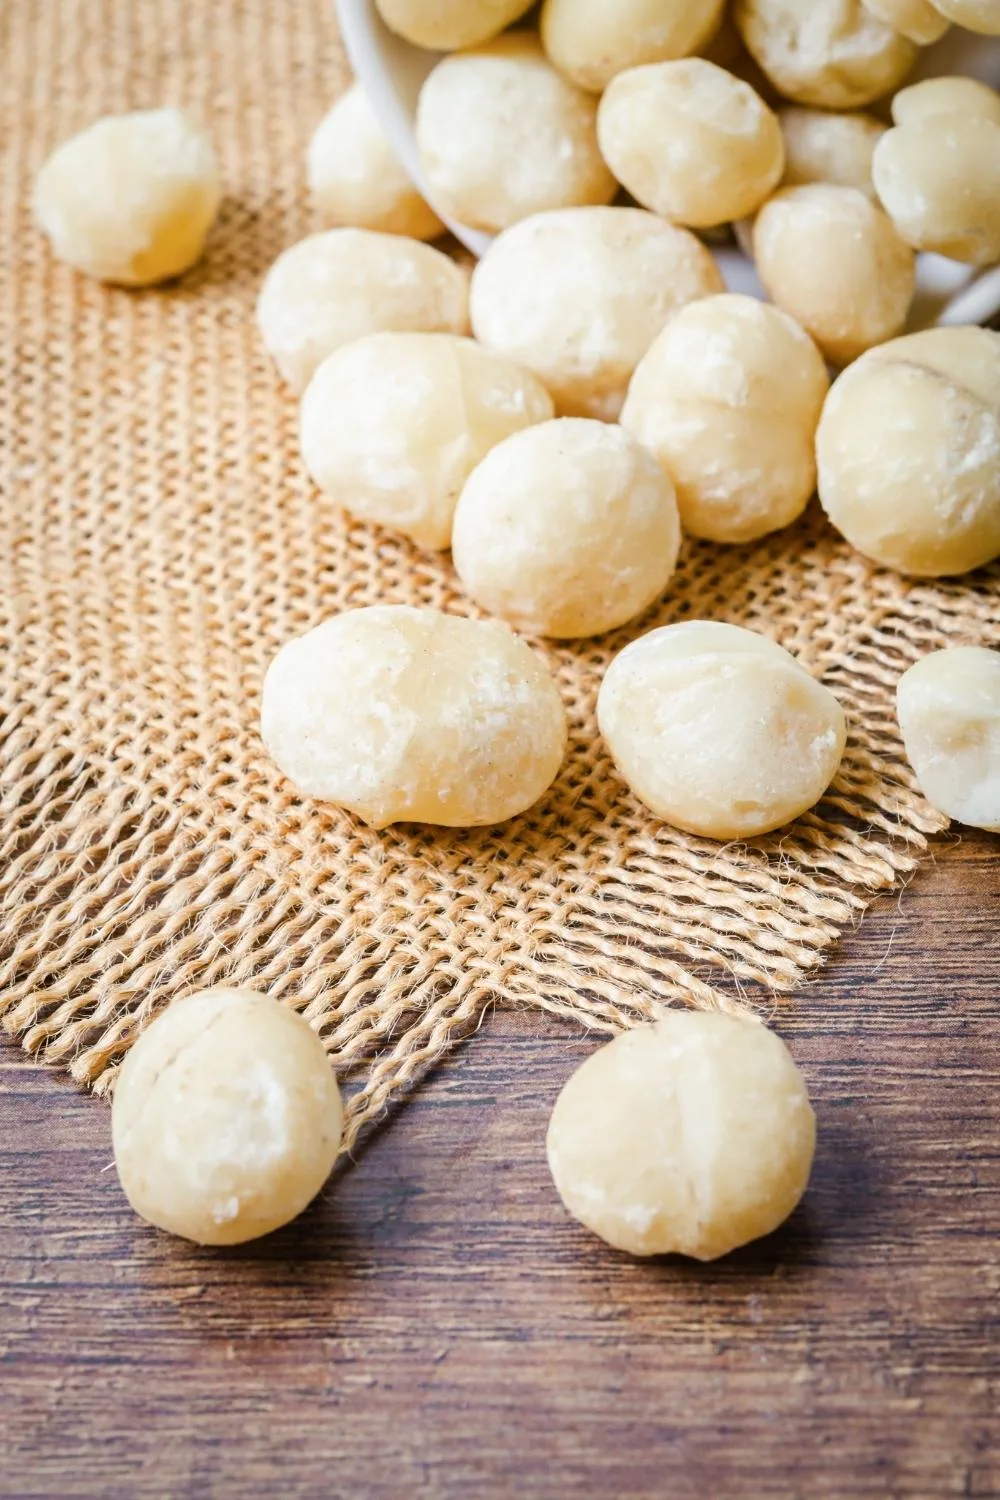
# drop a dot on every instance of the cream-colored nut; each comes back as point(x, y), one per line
point(393, 425)
point(982, 16)
point(567, 529)
point(939, 181)
point(831, 53)
point(334, 287)
point(719, 731)
point(578, 295)
point(948, 706)
point(691, 141)
point(916, 19)
point(909, 452)
point(356, 178)
point(446, 25)
point(820, 147)
point(130, 199)
point(831, 258)
point(691, 1137)
point(407, 715)
point(226, 1118)
point(945, 95)
point(728, 399)
point(502, 135)
point(591, 41)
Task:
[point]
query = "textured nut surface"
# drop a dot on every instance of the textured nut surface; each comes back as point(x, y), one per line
point(407, 715)
point(832, 259)
point(691, 1136)
point(948, 706)
point(578, 295)
point(591, 41)
point(820, 147)
point(691, 141)
point(503, 135)
point(567, 529)
point(982, 16)
point(718, 730)
point(355, 177)
point(831, 53)
point(916, 19)
point(226, 1118)
point(447, 25)
point(728, 399)
point(945, 95)
point(909, 452)
point(393, 425)
point(131, 198)
point(939, 180)
point(337, 286)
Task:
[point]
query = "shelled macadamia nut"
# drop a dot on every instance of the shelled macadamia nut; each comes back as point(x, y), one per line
point(718, 730)
point(982, 16)
point(578, 295)
point(592, 41)
point(407, 715)
point(691, 141)
point(728, 399)
point(822, 147)
point(226, 1119)
point(831, 53)
point(909, 452)
point(355, 177)
point(567, 529)
point(945, 95)
point(393, 425)
point(502, 135)
point(939, 181)
point(447, 25)
point(692, 1136)
point(949, 711)
point(130, 199)
point(337, 286)
point(916, 19)
point(832, 259)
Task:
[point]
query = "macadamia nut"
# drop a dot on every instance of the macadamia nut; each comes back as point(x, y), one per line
point(407, 715)
point(591, 41)
point(393, 425)
point(832, 259)
point(334, 287)
point(939, 181)
point(690, 1137)
point(567, 529)
point(820, 147)
point(916, 19)
point(728, 399)
point(502, 135)
point(949, 711)
point(130, 199)
point(982, 16)
point(691, 141)
point(945, 95)
point(355, 177)
point(909, 452)
point(719, 731)
point(446, 25)
point(226, 1119)
point(831, 53)
point(578, 295)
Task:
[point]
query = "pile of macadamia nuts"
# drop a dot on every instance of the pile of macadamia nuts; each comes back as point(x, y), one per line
point(558, 420)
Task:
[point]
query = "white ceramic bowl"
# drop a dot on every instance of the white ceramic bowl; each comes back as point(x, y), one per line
point(392, 73)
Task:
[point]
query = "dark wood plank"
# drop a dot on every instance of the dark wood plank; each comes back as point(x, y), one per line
point(435, 1325)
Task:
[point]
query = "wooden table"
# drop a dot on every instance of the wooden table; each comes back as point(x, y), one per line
point(436, 1326)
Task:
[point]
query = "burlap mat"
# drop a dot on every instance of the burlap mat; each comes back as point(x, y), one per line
point(160, 542)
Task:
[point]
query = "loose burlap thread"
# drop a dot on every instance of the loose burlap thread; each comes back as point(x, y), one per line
point(160, 541)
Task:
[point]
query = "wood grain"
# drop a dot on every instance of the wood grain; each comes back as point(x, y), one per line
point(436, 1326)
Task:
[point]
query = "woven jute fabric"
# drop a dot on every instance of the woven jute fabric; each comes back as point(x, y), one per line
point(160, 541)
